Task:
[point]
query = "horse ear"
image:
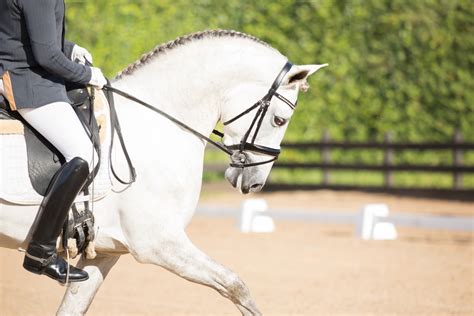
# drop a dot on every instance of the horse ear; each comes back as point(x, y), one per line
point(299, 74)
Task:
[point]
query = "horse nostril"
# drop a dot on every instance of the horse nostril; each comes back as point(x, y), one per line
point(256, 187)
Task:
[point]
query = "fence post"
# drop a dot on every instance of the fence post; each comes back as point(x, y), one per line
point(458, 160)
point(326, 155)
point(388, 160)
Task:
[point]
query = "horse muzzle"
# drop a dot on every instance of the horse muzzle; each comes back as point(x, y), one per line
point(245, 179)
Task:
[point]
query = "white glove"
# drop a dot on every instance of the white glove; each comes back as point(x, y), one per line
point(97, 79)
point(1, 87)
point(81, 55)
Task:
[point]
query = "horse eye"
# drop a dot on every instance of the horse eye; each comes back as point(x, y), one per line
point(279, 121)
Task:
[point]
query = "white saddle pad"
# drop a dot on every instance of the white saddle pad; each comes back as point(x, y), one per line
point(15, 184)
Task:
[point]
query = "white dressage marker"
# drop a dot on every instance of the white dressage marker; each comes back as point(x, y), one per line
point(372, 223)
point(252, 218)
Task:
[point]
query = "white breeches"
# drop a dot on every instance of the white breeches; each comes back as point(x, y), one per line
point(59, 124)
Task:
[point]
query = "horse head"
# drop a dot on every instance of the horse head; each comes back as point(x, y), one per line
point(254, 135)
point(228, 76)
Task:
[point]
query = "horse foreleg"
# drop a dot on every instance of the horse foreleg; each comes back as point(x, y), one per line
point(181, 257)
point(79, 296)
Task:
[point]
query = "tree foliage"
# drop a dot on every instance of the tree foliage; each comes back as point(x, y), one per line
point(395, 65)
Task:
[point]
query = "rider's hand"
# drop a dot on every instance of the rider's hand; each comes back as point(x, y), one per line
point(81, 55)
point(97, 79)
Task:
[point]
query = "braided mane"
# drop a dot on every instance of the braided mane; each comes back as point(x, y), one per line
point(183, 40)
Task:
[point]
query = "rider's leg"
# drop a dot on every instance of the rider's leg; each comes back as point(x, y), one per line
point(58, 123)
point(40, 256)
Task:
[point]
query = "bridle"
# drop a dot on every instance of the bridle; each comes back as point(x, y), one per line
point(236, 151)
point(238, 156)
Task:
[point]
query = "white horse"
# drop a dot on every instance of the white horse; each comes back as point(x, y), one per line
point(200, 79)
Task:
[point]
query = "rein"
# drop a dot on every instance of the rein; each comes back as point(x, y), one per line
point(236, 151)
point(169, 117)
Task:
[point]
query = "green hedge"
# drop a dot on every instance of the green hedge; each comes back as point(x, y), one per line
point(395, 65)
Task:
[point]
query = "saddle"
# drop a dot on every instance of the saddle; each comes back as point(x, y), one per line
point(44, 160)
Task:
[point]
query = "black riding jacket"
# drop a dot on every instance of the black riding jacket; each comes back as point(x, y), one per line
point(34, 57)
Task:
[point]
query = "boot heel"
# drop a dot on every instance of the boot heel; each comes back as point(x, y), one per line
point(33, 268)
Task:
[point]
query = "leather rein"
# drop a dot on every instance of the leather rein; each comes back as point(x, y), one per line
point(236, 151)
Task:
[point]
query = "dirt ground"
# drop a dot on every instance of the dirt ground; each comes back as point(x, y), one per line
point(300, 269)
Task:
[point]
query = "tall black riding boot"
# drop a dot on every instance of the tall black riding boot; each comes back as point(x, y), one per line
point(41, 256)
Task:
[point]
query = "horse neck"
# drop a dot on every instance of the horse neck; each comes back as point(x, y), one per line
point(191, 82)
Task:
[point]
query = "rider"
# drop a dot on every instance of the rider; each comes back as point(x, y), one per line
point(35, 62)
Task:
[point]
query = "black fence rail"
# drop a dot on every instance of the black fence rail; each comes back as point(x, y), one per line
point(457, 168)
point(388, 167)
